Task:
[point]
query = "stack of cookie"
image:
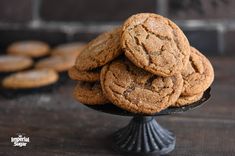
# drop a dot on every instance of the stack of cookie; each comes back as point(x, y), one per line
point(144, 66)
point(89, 63)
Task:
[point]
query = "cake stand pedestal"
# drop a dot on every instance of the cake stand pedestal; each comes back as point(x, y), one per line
point(143, 135)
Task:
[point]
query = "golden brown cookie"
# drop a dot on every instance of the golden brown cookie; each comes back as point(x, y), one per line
point(89, 93)
point(58, 63)
point(11, 63)
point(155, 44)
point(68, 49)
point(135, 90)
point(91, 75)
point(187, 100)
point(29, 48)
point(198, 74)
point(100, 51)
point(30, 79)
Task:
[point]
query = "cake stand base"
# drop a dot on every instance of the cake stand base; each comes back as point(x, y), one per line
point(143, 135)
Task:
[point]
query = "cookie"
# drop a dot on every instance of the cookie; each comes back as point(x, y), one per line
point(198, 74)
point(89, 93)
point(100, 51)
point(33, 49)
point(186, 100)
point(58, 63)
point(68, 49)
point(155, 44)
point(11, 63)
point(30, 79)
point(136, 90)
point(91, 75)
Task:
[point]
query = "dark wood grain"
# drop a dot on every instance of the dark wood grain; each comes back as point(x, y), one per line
point(57, 125)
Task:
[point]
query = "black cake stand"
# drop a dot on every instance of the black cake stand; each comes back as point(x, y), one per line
point(143, 135)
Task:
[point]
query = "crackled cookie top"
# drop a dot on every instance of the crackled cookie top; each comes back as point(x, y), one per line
point(29, 48)
point(155, 44)
point(198, 74)
point(91, 75)
point(89, 93)
point(186, 100)
point(139, 91)
point(100, 51)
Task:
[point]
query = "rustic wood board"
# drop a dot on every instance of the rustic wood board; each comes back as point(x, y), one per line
point(57, 125)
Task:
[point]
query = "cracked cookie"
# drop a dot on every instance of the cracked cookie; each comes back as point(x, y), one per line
point(89, 93)
point(68, 49)
point(155, 44)
point(58, 63)
point(91, 75)
point(33, 49)
point(198, 74)
point(12, 63)
point(30, 79)
point(186, 100)
point(135, 90)
point(100, 51)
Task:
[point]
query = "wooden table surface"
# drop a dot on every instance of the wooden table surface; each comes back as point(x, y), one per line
point(57, 125)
